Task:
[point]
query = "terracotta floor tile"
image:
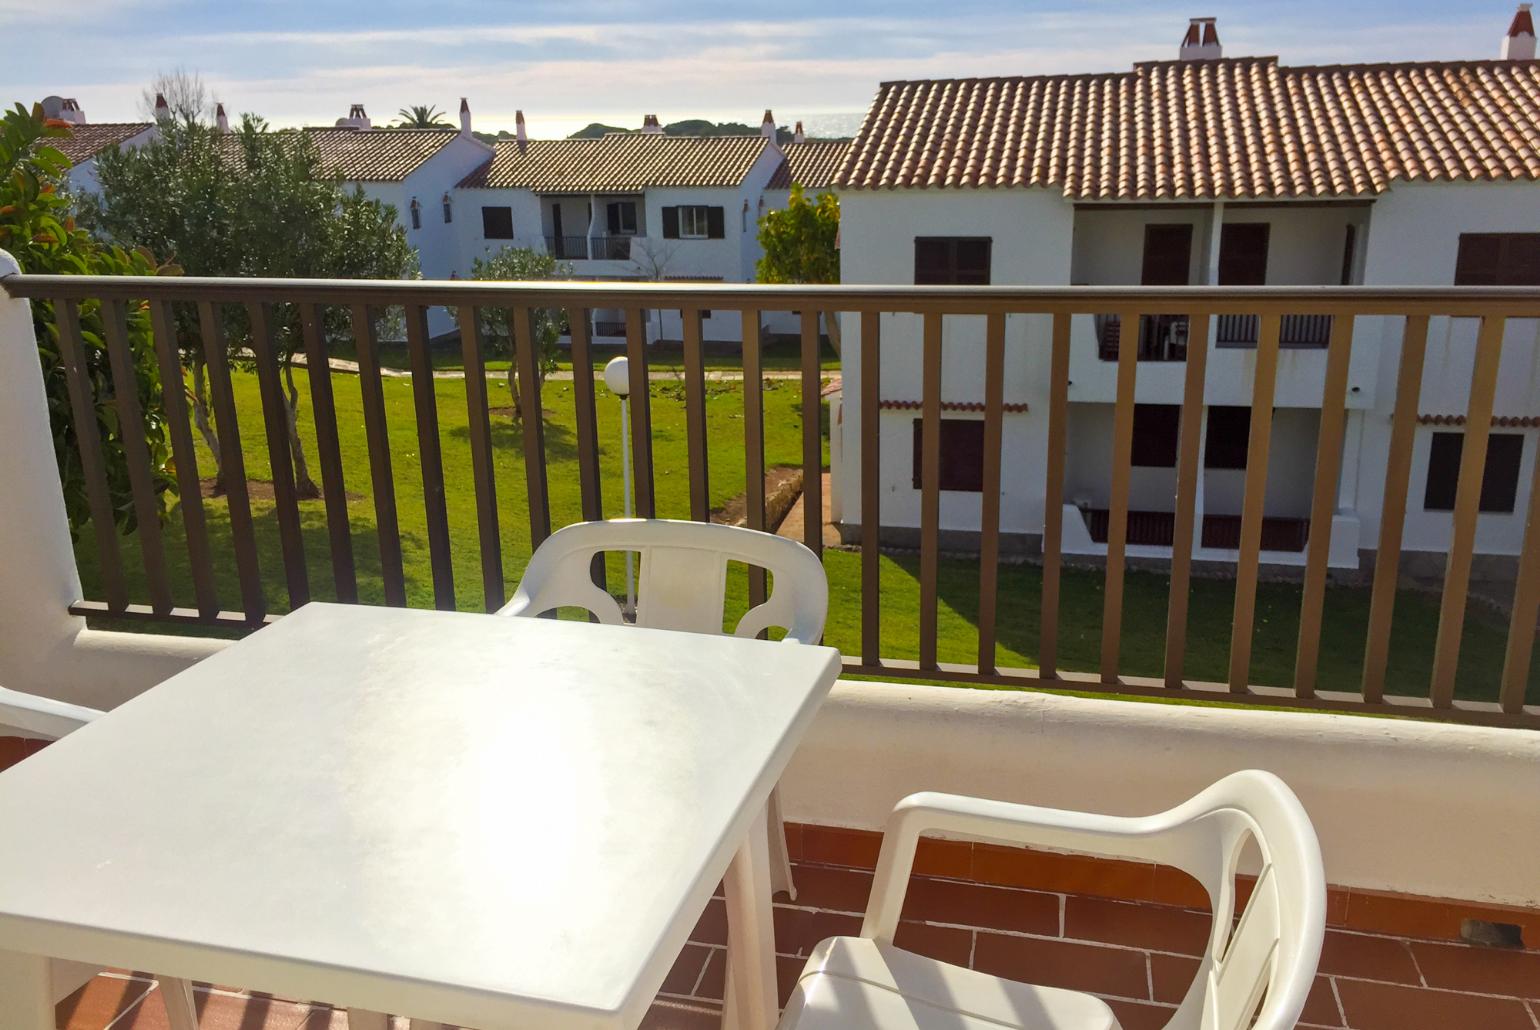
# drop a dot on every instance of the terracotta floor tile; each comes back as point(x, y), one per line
point(836, 888)
point(937, 857)
point(682, 977)
point(972, 904)
point(943, 943)
point(1376, 1006)
point(1171, 886)
point(1071, 874)
point(787, 970)
point(1462, 967)
point(837, 845)
point(1135, 1015)
point(793, 840)
point(671, 1015)
point(1363, 957)
point(1057, 963)
point(226, 1012)
point(1171, 976)
point(1140, 926)
point(798, 930)
point(1321, 1006)
point(99, 1002)
point(711, 928)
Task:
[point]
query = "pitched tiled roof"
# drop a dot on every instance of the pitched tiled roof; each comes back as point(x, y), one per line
point(377, 155)
point(1241, 127)
point(810, 165)
point(620, 162)
point(86, 141)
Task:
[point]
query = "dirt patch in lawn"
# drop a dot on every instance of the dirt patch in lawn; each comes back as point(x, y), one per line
point(260, 490)
point(783, 485)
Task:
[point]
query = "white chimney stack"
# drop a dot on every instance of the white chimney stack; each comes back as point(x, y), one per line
point(799, 136)
point(71, 112)
point(652, 125)
point(220, 119)
point(1201, 42)
point(465, 118)
point(767, 127)
point(356, 119)
point(162, 109)
point(518, 129)
point(1519, 43)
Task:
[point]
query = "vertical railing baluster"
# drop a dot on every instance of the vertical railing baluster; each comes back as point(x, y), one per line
point(1328, 471)
point(1117, 517)
point(812, 435)
point(479, 424)
point(1254, 503)
point(930, 484)
point(586, 410)
point(329, 453)
point(532, 425)
point(1188, 475)
point(1526, 607)
point(1053, 497)
point(695, 416)
point(276, 422)
point(1467, 508)
point(753, 444)
point(641, 414)
point(185, 456)
point(989, 520)
point(232, 463)
point(871, 490)
point(372, 389)
point(88, 438)
point(136, 453)
point(430, 456)
point(1398, 474)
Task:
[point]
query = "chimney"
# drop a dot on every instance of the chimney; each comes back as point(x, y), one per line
point(70, 111)
point(518, 129)
point(1201, 42)
point(799, 136)
point(220, 119)
point(465, 118)
point(767, 127)
point(162, 109)
point(1519, 43)
point(651, 125)
point(356, 119)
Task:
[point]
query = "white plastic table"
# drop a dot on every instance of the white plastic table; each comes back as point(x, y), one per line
point(481, 821)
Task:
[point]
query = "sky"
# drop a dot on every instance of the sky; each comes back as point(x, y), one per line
point(303, 62)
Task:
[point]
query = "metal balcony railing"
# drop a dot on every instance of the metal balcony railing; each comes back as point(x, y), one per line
point(238, 598)
point(567, 248)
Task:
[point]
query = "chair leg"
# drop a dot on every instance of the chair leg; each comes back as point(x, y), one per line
point(181, 1012)
point(780, 855)
point(363, 1019)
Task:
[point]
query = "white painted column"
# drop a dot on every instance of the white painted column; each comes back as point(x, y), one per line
point(44, 649)
point(1198, 482)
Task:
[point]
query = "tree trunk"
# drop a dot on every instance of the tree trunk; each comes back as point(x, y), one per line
point(304, 486)
point(513, 387)
point(205, 425)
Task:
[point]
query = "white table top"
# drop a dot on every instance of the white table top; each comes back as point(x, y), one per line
point(479, 820)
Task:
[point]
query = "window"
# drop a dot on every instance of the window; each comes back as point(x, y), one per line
point(497, 223)
point(1155, 427)
point(621, 216)
point(1167, 259)
point(416, 210)
point(1498, 259)
point(743, 218)
point(694, 222)
point(1243, 254)
point(449, 211)
point(962, 454)
point(1229, 436)
point(951, 260)
point(1499, 480)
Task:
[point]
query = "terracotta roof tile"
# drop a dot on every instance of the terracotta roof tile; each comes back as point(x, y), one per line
point(1238, 127)
point(377, 155)
point(620, 162)
point(86, 141)
point(811, 165)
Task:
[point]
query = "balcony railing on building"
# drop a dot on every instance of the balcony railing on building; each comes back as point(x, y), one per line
point(585, 248)
point(1164, 337)
point(1174, 325)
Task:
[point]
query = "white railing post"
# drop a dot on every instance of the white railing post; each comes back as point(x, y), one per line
point(43, 648)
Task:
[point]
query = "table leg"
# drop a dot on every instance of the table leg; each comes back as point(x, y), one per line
point(181, 1009)
point(26, 992)
point(751, 996)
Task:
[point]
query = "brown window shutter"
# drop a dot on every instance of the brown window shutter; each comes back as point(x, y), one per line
point(716, 227)
point(1243, 254)
point(671, 223)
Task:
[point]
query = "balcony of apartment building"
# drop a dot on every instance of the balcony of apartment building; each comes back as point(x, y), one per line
point(598, 228)
point(1432, 908)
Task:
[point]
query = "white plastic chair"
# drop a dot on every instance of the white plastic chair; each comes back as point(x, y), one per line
point(27, 715)
point(682, 585)
point(1264, 968)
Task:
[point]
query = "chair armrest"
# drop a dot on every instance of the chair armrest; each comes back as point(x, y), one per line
point(42, 716)
point(516, 607)
point(1144, 838)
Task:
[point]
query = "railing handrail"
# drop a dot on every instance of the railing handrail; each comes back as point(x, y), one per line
point(1469, 301)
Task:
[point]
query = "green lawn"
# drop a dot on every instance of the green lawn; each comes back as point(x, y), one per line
point(1081, 604)
point(777, 354)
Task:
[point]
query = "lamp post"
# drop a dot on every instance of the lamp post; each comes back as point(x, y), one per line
point(617, 377)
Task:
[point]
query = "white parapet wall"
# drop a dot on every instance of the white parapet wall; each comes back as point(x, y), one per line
point(1400, 805)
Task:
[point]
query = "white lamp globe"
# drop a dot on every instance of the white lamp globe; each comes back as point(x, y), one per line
point(617, 376)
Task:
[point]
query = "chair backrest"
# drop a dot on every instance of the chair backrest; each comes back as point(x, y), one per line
point(33, 716)
point(682, 582)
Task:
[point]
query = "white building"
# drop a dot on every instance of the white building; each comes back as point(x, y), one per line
point(88, 139)
point(1203, 170)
